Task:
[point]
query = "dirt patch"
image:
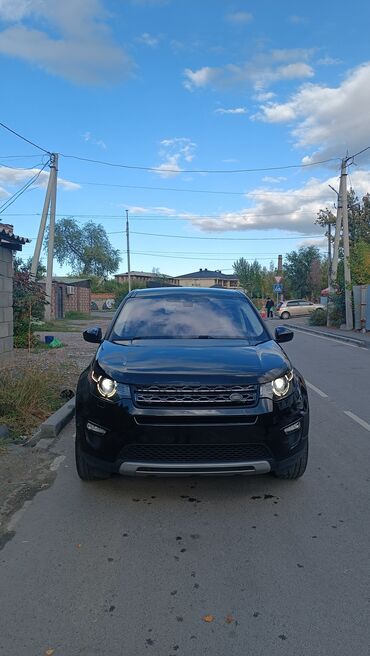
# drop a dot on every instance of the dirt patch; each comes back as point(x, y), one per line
point(23, 473)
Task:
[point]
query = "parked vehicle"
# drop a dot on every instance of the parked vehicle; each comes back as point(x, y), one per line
point(297, 308)
point(190, 381)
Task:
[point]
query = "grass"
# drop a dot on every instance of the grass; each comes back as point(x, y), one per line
point(27, 399)
point(56, 326)
point(77, 315)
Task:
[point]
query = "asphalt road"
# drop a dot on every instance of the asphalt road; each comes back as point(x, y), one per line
point(128, 567)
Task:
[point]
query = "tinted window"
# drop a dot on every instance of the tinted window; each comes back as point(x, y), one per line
point(188, 316)
point(293, 303)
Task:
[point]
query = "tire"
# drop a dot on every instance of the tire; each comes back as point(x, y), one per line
point(285, 315)
point(297, 469)
point(84, 470)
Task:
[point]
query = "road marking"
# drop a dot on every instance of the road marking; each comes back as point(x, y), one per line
point(317, 390)
point(360, 421)
point(329, 339)
point(56, 463)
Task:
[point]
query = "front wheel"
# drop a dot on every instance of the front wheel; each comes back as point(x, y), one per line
point(84, 470)
point(295, 470)
point(285, 315)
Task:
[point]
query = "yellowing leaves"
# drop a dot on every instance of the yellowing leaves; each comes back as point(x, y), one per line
point(49, 652)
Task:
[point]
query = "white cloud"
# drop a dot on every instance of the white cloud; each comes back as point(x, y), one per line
point(297, 20)
point(240, 17)
point(333, 118)
point(175, 153)
point(319, 242)
point(148, 40)
point(18, 177)
point(88, 137)
point(269, 179)
point(294, 210)
point(234, 110)
point(261, 71)
point(263, 96)
point(329, 61)
point(70, 39)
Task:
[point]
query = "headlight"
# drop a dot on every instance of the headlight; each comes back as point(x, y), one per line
point(278, 388)
point(108, 388)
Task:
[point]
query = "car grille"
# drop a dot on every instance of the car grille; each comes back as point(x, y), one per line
point(149, 396)
point(191, 453)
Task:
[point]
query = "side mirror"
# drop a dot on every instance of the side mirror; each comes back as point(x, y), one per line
point(283, 334)
point(93, 335)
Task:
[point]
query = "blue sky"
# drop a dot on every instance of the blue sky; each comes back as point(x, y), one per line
point(187, 86)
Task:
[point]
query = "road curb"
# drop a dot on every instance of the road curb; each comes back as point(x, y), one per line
point(342, 338)
point(54, 424)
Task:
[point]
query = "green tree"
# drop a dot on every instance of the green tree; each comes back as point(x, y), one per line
point(302, 271)
point(360, 263)
point(28, 303)
point(86, 249)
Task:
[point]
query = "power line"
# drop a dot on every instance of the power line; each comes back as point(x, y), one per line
point(154, 234)
point(199, 191)
point(6, 127)
point(174, 217)
point(22, 190)
point(169, 170)
point(207, 259)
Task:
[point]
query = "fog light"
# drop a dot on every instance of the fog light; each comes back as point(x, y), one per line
point(292, 428)
point(95, 429)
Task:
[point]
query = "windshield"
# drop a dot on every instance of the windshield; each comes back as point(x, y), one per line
point(188, 317)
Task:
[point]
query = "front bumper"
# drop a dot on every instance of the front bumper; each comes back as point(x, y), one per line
point(187, 441)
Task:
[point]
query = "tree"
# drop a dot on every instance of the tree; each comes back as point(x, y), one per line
point(86, 249)
point(301, 271)
point(360, 263)
point(28, 303)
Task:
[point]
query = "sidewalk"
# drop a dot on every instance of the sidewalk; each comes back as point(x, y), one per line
point(353, 336)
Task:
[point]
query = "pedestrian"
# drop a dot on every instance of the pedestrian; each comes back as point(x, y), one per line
point(269, 305)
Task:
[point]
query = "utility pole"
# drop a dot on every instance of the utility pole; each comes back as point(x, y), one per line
point(128, 252)
point(53, 201)
point(342, 219)
point(347, 268)
point(49, 204)
point(329, 276)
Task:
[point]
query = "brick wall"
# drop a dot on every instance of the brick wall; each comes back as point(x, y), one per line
point(6, 303)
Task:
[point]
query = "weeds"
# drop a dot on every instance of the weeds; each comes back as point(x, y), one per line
point(28, 399)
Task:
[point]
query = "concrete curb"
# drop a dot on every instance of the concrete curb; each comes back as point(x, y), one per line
point(54, 424)
point(343, 338)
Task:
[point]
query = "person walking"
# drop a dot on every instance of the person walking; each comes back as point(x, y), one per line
point(269, 305)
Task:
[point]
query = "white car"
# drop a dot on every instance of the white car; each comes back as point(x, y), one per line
point(297, 308)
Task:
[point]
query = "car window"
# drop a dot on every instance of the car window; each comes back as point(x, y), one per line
point(187, 317)
point(293, 303)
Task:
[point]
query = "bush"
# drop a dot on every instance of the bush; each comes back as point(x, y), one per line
point(28, 304)
point(318, 318)
point(27, 399)
point(337, 313)
point(73, 314)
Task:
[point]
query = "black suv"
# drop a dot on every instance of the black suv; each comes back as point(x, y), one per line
point(190, 381)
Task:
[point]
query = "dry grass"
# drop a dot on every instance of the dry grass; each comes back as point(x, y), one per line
point(27, 399)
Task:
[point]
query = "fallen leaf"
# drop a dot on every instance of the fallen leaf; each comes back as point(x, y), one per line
point(208, 618)
point(49, 652)
point(78, 546)
point(229, 619)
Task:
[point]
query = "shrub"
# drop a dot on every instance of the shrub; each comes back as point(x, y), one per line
point(318, 318)
point(337, 312)
point(27, 399)
point(28, 304)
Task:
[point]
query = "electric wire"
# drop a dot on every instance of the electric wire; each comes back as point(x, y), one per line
point(20, 136)
point(224, 171)
point(22, 190)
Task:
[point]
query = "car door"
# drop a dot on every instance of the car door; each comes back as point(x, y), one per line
point(293, 308)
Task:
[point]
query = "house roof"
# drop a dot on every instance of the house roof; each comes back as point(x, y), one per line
point(145, 274)
point(203, 274)
point(9, 239)
point(69, 281)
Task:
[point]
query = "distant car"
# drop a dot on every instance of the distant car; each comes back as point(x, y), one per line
point(190, 381)
point(297, 308)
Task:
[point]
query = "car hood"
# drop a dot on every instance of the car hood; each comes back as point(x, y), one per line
point(192, 361)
